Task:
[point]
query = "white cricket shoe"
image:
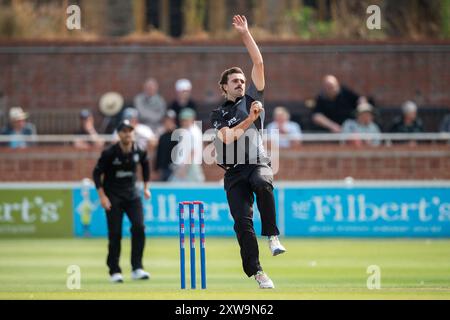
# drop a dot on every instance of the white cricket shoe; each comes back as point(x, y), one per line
point(263, 280)
point(116, 278)
point(140, 274)
point(275, 246)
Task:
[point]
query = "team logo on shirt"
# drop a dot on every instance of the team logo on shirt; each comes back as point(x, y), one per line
point(224, 112)
point(216, 124)
point(123, 174)
point(117, 162)
point(232, 121)
point(136, 157)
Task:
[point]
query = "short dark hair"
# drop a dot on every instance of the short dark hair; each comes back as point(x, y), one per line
point(225, 74)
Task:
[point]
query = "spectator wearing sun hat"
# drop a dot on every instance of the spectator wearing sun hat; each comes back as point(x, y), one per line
point(363, 124)
point(111, 106)
point(18, 128)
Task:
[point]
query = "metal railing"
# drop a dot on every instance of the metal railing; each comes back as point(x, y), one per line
point(207, 137)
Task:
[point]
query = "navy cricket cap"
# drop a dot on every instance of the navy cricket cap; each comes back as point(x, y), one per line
point(125, 124)
point(130, 113)
point(85, 113)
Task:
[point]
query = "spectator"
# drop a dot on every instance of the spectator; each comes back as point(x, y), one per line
point(187, 166)
point(2, 105)
point(144, 136)
point(18, 128)
point(290, 132)
point(183, 91)
point(111, 105)
point(408, 122)
point(151, 105)
point(363, 124)
point(87, 128)
point(334, 105)
point(163, 163)
point(445, 124)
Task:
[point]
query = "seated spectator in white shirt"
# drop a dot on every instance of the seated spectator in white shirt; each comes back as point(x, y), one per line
point(188, 153)
point(144, 136)
point(363, 124)
point(289, 131)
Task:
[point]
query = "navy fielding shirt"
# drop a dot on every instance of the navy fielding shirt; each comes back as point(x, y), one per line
point(248, 149)
point(119, 170)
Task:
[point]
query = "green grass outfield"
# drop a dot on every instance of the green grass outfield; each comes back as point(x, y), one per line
point(311, 269)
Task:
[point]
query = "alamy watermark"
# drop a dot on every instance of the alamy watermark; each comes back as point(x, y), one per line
point(249, 146)
point(73, 21)
point(74, 277)
point(373, 22)
point(374, 280)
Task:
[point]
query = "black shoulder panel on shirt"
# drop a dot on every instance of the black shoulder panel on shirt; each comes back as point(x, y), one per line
point(110, 149)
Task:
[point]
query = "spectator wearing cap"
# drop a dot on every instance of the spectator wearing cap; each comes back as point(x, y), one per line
point(289, 131)
point(334, 104)
point(163, 164)
point(408, 122)
point(363, 124)
point(144, 135)
point(115, 176)
point(18, 128)
point(183, 99)
point(87, 128)
point(150, 105)
point(188, 153)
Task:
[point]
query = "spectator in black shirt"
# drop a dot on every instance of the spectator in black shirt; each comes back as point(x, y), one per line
point(115, 180)
point(408, 122)
point(445, 124)
point(183, 88)
point(334, 105)
point(165, 147)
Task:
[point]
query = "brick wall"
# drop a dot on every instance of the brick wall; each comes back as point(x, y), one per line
point(73, 75)
point(309, 162)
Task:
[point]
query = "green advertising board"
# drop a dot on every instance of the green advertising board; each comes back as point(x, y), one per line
point(35, 213)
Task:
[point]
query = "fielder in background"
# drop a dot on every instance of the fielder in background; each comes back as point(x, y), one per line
point(248, 168)
point(115, 180)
